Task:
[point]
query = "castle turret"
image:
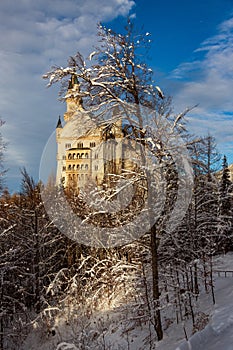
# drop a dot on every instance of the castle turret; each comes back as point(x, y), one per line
point(58, 128)
point(73, 98)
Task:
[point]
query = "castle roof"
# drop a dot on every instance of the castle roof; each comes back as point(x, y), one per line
point(59, 124)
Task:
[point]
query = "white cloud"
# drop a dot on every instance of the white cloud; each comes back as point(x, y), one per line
point(208, 82)
point(34, 36)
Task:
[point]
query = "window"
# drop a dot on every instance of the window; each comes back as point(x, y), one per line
point(64, 157)
point(96, 167)
point(68, 145)
point(86, 155)
point(69, 156)
point(69, 167)
point(77, 166)
point(86, 166)
point(92, 144)
point(80, 145)
point(64, 168)
point(96, 155)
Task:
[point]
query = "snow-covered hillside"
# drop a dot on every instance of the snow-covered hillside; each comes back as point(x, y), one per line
point(218, 334)
point(110, 329)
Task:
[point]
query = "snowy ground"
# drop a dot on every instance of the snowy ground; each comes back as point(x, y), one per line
point(218, 334)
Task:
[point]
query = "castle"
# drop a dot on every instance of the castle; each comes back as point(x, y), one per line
point(87, 152)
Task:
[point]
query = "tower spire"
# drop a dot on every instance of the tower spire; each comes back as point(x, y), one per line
point(59, 124)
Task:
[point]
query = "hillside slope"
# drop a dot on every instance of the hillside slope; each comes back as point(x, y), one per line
point(109, 330)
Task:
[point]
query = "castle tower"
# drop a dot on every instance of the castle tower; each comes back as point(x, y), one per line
point(58, 128)
point(64, 141)
point(73, 99)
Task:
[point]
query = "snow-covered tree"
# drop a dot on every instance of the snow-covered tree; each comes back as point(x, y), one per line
point(225, 230)
point(116, 76)
point(32, 252)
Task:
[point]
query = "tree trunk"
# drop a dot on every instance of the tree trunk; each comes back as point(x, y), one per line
point(1, 317)
point(155, 281)
point(36, 268)
point(196, 287)
point(211, 280)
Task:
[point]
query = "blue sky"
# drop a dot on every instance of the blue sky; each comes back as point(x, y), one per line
point(191, 54)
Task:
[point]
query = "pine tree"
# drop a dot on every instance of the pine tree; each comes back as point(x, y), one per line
point(225, 231)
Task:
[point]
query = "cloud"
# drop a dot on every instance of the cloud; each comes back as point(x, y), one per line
point(32, 27)
point(208, 82)
point(34, 36)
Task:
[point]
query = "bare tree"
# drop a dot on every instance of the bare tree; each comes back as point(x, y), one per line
point(32, 251)
point(116, 75)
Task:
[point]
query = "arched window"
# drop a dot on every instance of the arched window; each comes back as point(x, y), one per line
point(82, 166)
point(86, 155)
point(74, 167)
point(82, 155)
point(78, 155)
point(69, 156)
point(73, 155)
point(69, 167)
point(86, 166)
point(77, 166)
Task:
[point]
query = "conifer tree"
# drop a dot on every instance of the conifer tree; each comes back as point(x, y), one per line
point(225, 229)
